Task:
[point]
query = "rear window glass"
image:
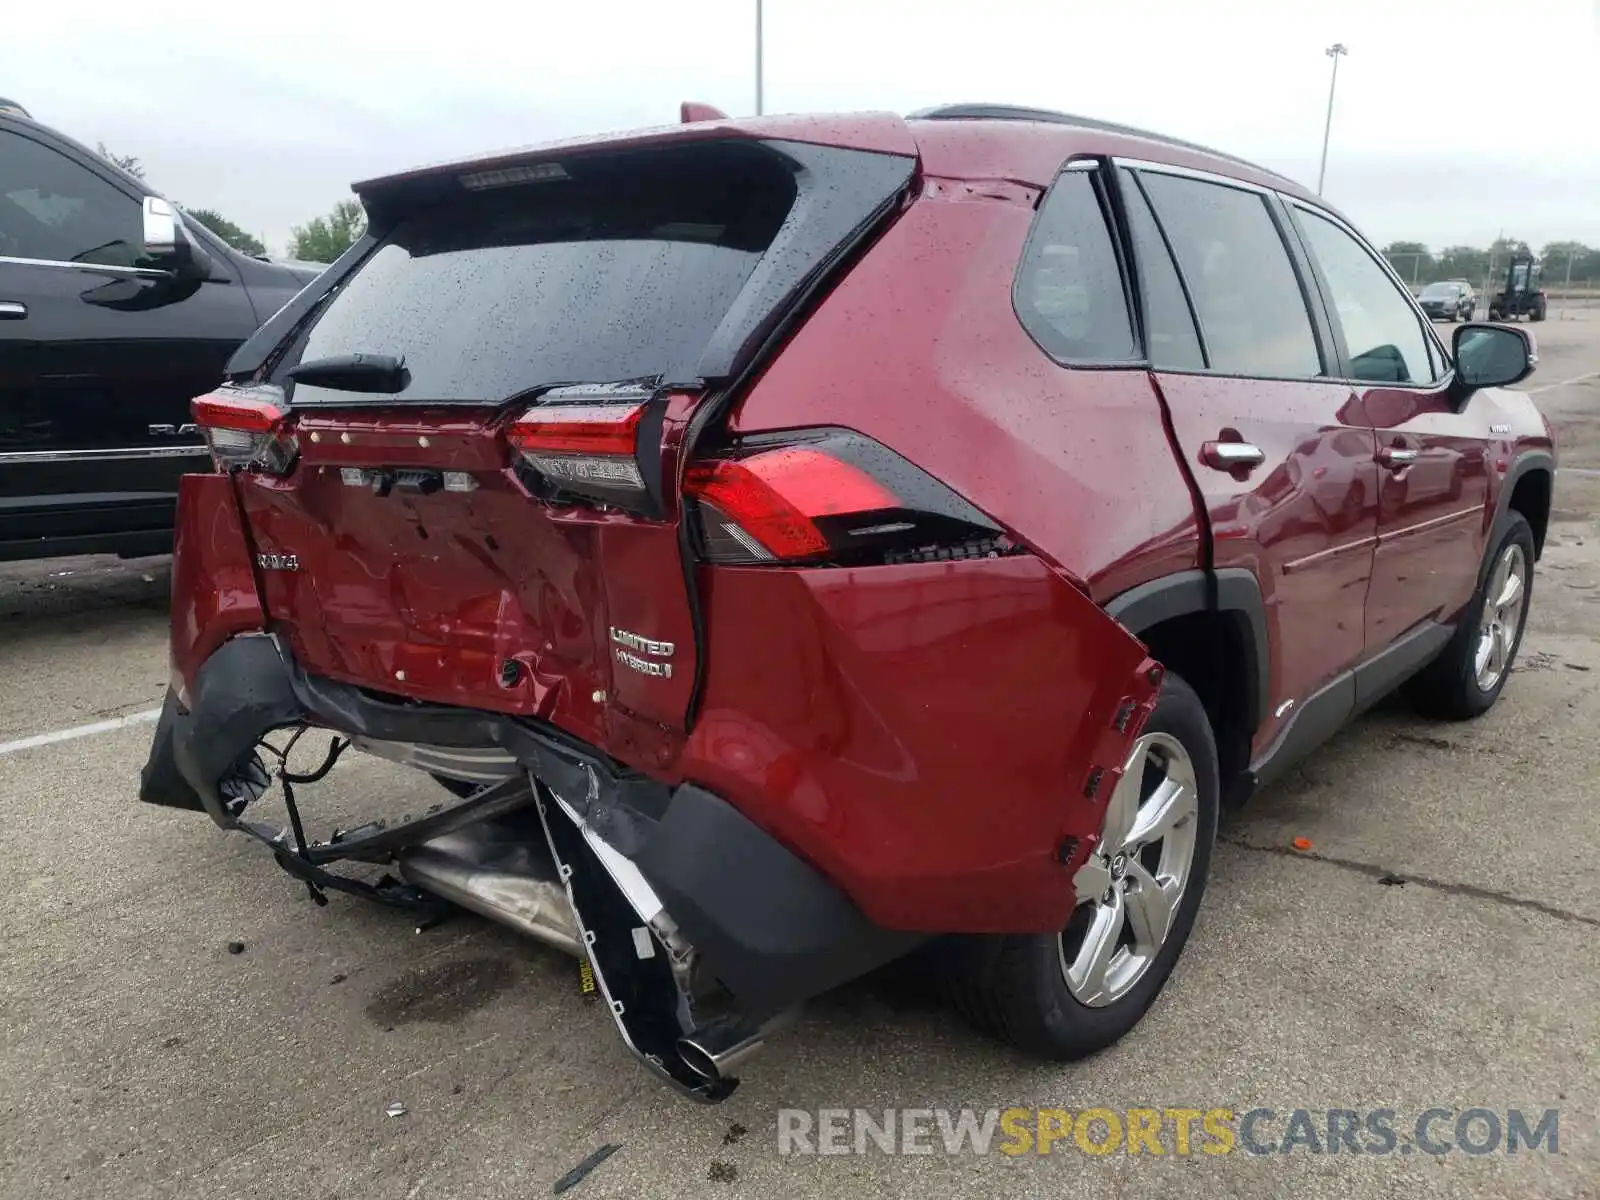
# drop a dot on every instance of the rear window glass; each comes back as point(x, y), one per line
point(1252, 313)
point(622, 274)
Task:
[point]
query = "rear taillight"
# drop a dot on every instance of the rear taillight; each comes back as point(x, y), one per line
point(575, 446)
point(247, 427)
point(829, 496)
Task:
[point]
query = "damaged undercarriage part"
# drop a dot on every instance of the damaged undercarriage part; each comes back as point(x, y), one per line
point(510, 849)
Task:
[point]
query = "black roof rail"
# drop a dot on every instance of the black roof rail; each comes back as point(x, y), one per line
point(1016, 112)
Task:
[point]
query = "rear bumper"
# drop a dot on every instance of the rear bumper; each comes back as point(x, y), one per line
point(775, 931)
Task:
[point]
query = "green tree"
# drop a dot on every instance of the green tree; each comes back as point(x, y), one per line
point(1410, 260)
point(1503, 248)
point(127, 163)
point(1463, 262)
point(1560, 258)
point(323, 239)
point(225, 229)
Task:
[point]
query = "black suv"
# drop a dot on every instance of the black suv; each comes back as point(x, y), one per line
point(114, 314)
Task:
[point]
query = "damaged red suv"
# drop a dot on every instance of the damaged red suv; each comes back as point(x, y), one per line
point(794, 541)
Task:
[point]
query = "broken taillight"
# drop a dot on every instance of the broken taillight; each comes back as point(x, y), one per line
point(830, 497)
point(579, 447)
point(246, 427)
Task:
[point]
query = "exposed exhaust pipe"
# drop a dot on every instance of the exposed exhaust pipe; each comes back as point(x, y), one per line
point(501, 869)
point(717, 1049)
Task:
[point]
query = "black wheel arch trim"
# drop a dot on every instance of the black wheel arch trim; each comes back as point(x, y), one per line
point(1526, 462)
point(1231, 590)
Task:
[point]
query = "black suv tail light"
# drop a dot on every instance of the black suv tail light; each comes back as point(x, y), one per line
point(829, 497)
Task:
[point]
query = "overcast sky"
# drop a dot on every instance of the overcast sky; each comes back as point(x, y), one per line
point(1454, 119)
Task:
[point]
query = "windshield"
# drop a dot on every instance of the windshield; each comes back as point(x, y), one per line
point(1441, 290)
point(572, 281)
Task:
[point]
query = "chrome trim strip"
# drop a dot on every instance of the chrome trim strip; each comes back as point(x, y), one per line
point(1311, 560)
point(1431, 523)
point(115, 454)
point(94, 268)
point(1161, 168)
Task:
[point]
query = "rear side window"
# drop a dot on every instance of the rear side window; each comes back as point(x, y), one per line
point(1252, 313)
point(615, 276)
point(1169, 325)
point(1382, 332)
point(1069, 292)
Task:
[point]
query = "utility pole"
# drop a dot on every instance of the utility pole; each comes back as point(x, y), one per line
point(1334, 52)
point(759, 98)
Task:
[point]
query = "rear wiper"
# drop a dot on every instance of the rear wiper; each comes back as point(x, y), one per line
point(354, 373)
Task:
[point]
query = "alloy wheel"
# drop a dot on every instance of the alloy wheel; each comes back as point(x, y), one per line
point(1130, 887)
point(1505, 602)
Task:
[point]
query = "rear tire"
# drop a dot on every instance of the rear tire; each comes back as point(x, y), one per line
point(1457, 685)
point(1016, 986)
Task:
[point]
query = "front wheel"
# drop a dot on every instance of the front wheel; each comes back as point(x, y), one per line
point(1470, 673)
point(1067, 995)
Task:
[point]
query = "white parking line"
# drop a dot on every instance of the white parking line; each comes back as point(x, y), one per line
point(78, 731)
point(1550, 387)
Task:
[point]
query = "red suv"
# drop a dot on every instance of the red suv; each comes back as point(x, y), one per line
point(795, 541)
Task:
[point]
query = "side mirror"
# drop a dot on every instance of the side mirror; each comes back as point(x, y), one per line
point(1492, 356)
point(168, 246)
point(161, 238)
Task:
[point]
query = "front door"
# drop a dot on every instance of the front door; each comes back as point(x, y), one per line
point(1282, 459)
point(1433, 462)
point(99, 356)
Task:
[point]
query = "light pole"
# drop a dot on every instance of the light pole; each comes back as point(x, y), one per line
point(1334, 52)
point(758, 59)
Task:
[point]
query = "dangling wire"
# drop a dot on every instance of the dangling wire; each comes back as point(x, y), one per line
point(288, 778)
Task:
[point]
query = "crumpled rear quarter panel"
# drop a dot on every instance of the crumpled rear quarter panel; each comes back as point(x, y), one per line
point(923, 734)
point(214, 594)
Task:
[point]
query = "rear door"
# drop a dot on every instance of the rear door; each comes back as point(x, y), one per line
point(1434, 461)
point(1280, 454)
point(497, 524)
point(101, 356)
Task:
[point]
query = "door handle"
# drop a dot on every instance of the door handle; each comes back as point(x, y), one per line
point(1396, 459)
point(12, 310)
point(1226, 456)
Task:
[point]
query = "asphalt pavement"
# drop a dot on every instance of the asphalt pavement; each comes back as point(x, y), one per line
point(176, 1018)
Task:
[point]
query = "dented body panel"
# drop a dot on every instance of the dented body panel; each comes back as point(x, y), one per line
point(924, 734)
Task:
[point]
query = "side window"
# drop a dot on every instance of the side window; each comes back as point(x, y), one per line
point(1252, 313)
point(1068, 292)
point(52, 208)
point(1169, 325)
point(1382, 332)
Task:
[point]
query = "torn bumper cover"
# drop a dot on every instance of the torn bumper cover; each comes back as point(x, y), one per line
point(771, 930)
